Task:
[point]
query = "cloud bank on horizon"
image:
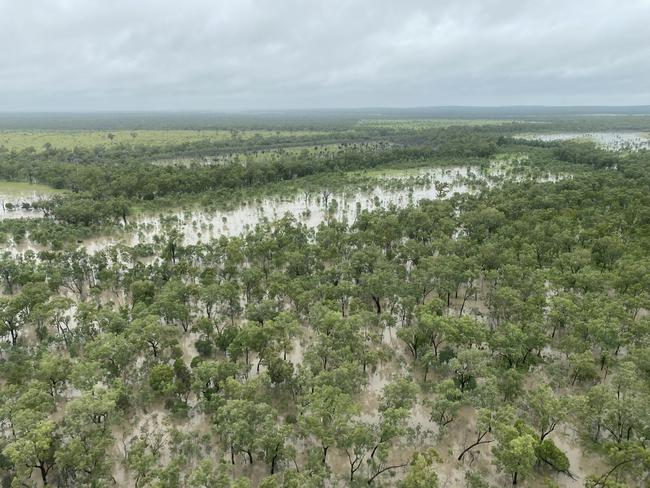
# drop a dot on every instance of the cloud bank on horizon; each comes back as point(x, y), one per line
point(262, 54)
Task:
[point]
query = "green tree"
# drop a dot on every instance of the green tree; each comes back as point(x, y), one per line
point(516, 456)
point(327, 415)
point(33, 449)
point(422, 471)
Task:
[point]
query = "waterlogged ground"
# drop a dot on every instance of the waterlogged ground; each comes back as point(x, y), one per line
point(391, 187)
point(612, 141)
point(308, 208)
point(398, 187)
point(16, 199)
point(270, 155)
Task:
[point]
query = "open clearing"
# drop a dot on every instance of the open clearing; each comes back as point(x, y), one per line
point(19, 189)
point(19, 140)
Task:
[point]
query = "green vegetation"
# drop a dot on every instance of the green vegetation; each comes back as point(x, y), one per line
point(69, 139)
point(495, 332)
point(14, 189)
point(415, 124)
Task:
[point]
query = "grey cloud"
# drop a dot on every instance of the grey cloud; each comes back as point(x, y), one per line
point(265, 54)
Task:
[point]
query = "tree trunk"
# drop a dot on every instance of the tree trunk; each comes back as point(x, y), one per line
point(43, 471)
point(377, 305)
point(479, 441)
point(371, 479)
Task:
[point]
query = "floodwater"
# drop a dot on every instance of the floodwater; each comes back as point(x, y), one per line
point(612, 141)
point(19, 206)
point(393, 188)
point(398, 188)
point(310, 209)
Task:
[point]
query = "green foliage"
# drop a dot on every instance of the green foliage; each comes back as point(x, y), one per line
point(510, 315)
point(422, 471)
point(550, 454)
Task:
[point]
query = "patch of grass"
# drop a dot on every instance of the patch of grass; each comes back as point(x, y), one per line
point(68, 139)
point(17, 189)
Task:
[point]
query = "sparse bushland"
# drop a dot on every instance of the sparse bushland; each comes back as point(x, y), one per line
point(488, 338)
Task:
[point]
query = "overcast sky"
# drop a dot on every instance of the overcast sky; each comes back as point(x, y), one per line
point(272, 54)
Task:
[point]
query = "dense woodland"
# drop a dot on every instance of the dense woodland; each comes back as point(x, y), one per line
point(491, 338)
